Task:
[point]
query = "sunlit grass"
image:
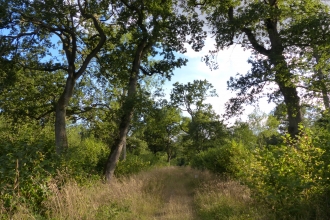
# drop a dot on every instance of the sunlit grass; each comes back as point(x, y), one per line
point(162, 193)
point(219, 199)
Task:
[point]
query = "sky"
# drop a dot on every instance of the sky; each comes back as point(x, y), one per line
point(231, 61)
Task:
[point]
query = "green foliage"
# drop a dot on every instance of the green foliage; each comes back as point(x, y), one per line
point(86, 159)
point(285, 177)
point(216, 159)
point(132, 164)
point(163, 129)
point(191, 97)
point(204, 129)
point(136, 146)
point(226, 208)
point(292, 178)
point(27, 163)
point(29, 94)
point(241, 133)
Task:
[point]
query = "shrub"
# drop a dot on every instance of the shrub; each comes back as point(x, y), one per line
point(132, 164)
point(27, 162)
point(286, 177)
point(86, 159)
point(216, 160)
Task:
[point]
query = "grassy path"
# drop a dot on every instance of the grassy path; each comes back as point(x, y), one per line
point(178, 194)
point(169, 193)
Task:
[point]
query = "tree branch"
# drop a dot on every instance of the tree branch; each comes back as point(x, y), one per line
point(98, 47)
point(3, 50)
point(259, 48)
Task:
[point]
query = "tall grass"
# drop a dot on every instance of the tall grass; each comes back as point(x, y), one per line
point(227, 199)
point(161, 193)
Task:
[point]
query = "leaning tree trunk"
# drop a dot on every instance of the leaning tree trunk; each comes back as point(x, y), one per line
point(128, 108)
point(61, 140)
point(124, 150)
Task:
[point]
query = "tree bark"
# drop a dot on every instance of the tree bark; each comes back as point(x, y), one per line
point(292, 102)
point(61, 140)
point(324, 90)
point(283, 76)
point(169, 153)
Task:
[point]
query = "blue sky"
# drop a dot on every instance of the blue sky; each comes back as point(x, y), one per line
point(231, 61)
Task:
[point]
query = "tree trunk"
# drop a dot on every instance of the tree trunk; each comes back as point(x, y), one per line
point(169, 156)
point(292, 102)
point(61, 140)
point(289, 91)
point(325, 96)
point(128, 108)
point(321, 77)
point(283, 78)
point(123, 154)
point(124, 151)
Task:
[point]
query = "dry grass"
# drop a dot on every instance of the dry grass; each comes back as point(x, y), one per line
point(163, 193)
point(149, 195)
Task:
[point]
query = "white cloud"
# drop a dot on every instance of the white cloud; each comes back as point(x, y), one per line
point(231, 61)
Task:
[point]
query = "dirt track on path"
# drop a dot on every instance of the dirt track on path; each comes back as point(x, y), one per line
point(178, 189)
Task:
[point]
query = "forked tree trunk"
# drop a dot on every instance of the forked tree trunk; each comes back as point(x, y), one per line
point(70, 47)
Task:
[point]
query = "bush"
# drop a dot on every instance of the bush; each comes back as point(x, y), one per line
point(27, 162)
point(292, 178)
point(132, 164)
point(286, 177)
point(216, 160)
point(86, 159)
